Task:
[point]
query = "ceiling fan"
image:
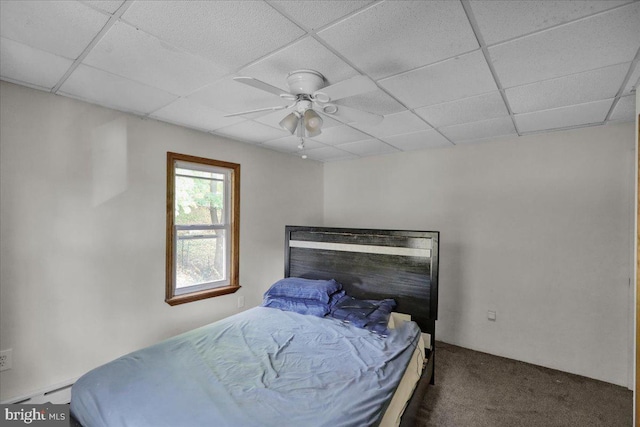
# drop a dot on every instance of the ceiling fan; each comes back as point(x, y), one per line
point(309, 95)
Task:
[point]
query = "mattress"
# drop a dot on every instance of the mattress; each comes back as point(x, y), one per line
point(261, 367)
point(395, 410)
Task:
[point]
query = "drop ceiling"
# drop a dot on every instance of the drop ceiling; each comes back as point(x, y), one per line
point(447, 72)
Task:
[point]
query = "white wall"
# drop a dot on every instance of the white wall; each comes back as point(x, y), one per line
point(82, 204)
point(535, 228)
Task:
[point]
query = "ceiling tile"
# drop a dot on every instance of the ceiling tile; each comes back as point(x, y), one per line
point(377, 102)
point(483, 140)
point(501, 20)
point(316, 14)
point(633, 81)
point(479, 130)
point(234, 97)
point(396, 36)
point(340, 135)
point(289, 144)
point(578, 88)
point(368, 147)
point(195, 115)
point(573, 115)
point(112, 91)
point(230, 33)
point(139, 56)
point(22, 63)
point(307, 53)
point(605, 39)
point(328, 154)
point(251, 132)
point(457, 78)
point(64, 28)
point(393, 124)
point(327, 121)
point(625, 109)
point(273, 119)
point(481, 107)
point(109, 6)
point(418, 140)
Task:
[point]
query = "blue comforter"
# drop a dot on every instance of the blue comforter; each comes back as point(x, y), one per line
point(261, 367)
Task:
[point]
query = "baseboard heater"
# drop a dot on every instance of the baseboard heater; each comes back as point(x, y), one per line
point(57, 393)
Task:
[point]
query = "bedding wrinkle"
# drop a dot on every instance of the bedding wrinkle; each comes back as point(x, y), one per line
point(262, 367)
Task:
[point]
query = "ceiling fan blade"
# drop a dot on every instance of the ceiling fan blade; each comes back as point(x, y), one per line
point(351, 115)
point(258, 84)
point(279, 107)
point(350, 87)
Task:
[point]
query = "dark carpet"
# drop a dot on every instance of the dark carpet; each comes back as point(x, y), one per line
point(477, 389)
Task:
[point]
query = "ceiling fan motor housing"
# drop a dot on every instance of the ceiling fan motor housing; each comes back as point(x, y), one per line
point(305, 82)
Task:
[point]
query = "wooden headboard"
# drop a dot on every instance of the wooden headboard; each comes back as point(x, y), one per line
point(371, 264)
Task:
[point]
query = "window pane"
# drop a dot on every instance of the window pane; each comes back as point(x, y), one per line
point(199, 200)
point(200, 257)
point(200, 173)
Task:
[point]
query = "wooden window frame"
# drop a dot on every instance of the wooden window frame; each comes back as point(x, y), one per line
point(234, 217)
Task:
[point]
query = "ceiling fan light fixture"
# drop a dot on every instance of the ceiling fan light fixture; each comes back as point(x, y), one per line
point(313, 133)
point(290, 122)
point(312, 122)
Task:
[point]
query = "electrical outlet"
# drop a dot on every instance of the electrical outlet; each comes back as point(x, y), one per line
point(240, 301)
point(5, 359)
point(491, 315)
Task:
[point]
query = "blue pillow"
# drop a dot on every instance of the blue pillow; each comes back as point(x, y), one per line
point(297, 305)
point(379, 321)
point(335, 298)
point(372, 315)
point(353, 310)
point(295, 287)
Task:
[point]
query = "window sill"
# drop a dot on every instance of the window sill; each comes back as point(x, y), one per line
point(195, 296)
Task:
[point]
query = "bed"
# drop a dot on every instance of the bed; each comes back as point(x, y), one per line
point(271, 367)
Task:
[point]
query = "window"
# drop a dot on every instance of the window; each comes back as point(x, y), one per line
point(203, 219)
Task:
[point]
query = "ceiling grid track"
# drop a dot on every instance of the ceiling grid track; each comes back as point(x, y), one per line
point(485, 51)
point(110, 23)
point(632, 67)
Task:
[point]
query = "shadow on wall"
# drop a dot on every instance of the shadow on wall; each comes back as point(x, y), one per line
point(109, 160)
point(451, 295)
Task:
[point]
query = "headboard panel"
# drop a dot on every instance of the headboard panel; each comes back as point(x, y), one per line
point(371, 264)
